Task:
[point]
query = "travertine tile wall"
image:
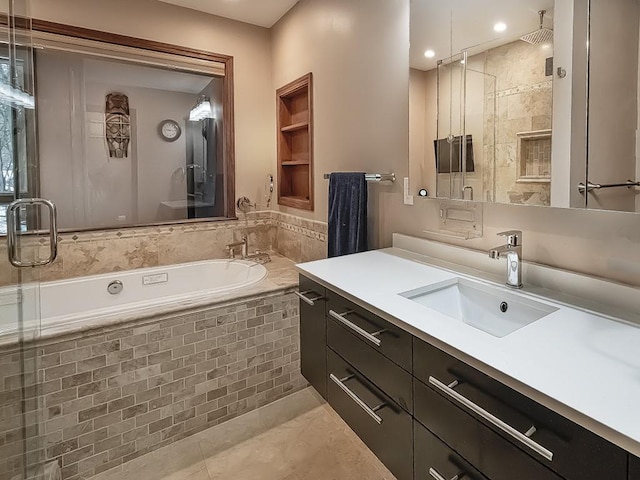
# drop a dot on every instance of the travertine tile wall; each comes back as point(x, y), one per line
point(90, 253)
point(300, 239)
point(524, 104)
point(113, 395)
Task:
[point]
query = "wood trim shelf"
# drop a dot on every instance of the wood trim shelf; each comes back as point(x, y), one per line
point(295, 143)
point(295, 126)
point(291, 163)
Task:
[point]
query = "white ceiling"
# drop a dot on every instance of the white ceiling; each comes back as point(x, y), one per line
point(264, 13)
point(472, 22)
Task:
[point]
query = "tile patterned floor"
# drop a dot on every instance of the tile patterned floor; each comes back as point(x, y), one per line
point(296, 438)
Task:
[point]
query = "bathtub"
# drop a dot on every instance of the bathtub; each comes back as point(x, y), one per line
point(87, 300)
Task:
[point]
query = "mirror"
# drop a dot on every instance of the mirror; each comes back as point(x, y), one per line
point(613, 147)
point(126, 136)
point(498, 101)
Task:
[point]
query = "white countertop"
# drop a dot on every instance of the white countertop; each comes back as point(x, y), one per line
point(583, 365)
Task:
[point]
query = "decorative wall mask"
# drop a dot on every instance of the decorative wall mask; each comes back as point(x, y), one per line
point(118, 125)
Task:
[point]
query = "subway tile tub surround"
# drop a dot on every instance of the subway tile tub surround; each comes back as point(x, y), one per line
point(113, 394)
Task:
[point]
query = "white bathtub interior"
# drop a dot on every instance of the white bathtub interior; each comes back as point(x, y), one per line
point(88, 297)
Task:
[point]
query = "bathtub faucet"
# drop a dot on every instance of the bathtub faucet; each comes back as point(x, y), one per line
point(242, 243)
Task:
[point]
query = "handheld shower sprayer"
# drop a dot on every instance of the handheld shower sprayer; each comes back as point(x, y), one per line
point(269, 190)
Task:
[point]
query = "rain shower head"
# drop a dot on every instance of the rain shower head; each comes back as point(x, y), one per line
point(540, 36)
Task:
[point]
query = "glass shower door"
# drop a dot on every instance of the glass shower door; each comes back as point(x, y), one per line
point(451, 80)
point(466, 116)
point(22, 450)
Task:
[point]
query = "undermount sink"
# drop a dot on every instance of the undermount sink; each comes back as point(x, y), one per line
point(484, 307)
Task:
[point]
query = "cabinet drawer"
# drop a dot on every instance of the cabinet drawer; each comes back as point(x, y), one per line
point(634, 468)
point(373, 416)
point(391, 341)
point(386, 375)
point(435, 460)
point(313, 334)
point(490, 453)
point(576, 452)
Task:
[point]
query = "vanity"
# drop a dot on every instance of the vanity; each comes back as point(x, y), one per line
point(534, 389)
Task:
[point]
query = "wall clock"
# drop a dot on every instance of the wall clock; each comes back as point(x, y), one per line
point(169, 130)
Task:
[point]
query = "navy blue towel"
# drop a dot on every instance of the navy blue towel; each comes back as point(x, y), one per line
point(347, 214)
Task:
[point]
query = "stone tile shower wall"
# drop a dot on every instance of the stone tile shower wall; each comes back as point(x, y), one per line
point(524, 104)
point(110, 396)
point(90, 253)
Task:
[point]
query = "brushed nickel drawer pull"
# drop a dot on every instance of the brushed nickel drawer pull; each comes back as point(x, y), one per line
point(372, 337)
point(434, 473)
point(309, 301)
point(370, 411)
point(505, 427)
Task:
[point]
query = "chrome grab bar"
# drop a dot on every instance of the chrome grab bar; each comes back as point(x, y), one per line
point(506, 428)
point(12, 232)
point(434, 473)
point(597, 186)
point(370, 411)
point(307, 300)
point(372, 337)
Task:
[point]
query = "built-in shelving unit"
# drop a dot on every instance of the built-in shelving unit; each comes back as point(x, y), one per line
point(295, 143)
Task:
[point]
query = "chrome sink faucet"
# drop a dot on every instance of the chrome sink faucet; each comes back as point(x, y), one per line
point(242, 243)
point(513, 252)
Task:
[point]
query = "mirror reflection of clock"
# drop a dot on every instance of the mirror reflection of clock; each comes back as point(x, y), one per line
point(169, 130)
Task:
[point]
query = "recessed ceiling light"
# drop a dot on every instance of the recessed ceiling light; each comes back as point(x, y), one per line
point(429, 54)
point(500, 27)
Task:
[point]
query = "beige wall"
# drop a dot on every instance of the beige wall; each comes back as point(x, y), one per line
point(358, 52)
point(603, 244)
point(249, 45)
point(422, 130)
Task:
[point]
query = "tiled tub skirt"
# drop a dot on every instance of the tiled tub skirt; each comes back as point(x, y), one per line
point(108, 396)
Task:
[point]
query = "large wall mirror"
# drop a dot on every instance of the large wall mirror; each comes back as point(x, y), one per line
point(529, 102)
point(128, 132)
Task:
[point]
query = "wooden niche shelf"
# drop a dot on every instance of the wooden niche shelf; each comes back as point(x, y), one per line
point(295, 144)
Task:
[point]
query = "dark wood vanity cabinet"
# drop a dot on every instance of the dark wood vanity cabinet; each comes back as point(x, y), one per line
point(466, 408)
point(369, 381)
point(313, 334)
point(385, 338)
point(426, 414)
point(634, 468)
point(373, 415)
point(433, 457)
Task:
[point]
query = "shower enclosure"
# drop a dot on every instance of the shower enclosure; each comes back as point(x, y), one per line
point(466, 129)
point(21, 403)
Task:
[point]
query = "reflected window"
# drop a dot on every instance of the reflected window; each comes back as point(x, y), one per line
point(14, 178)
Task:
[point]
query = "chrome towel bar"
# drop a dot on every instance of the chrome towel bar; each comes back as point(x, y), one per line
point(374, 177)
point(597, 186)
